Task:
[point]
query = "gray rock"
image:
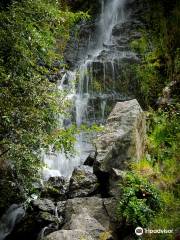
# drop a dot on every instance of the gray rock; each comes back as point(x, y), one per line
point(56, 188)
point(45, 205)
point(45, 212)
point(123, 139)
point(110, 204)
point(45, 218)
point(85, 223)
point(61, 207)
point(69, 235)
point(92, 215)
point(116, 176)
point(93, 206)
point(83, 182)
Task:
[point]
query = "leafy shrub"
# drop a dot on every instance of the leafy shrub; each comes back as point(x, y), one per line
point(139, 201)
point(30, 104)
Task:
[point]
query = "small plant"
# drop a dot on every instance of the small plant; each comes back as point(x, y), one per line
point(143, 167)
point(139, 202)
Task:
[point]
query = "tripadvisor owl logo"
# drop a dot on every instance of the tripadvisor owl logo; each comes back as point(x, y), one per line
point(139, 231)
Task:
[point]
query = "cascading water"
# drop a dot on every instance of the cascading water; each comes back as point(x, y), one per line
point(12, 217)
point(112, 12)
point(97, 74)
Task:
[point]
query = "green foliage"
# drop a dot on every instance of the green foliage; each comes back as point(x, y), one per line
point(162, 167)
point(91, 6)
point(30, 104)
point(164, 135)
point(167, 219)
point(159, 68)
point(164, 140)
point(148, 72)
point(159, 49)
point(139, 201)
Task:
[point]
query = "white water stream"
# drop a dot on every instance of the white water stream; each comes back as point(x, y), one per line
point(112, 13)
point(12, 217)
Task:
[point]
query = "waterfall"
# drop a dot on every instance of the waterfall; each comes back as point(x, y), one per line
point(12, 217)
point(112, 13)
point(91, 97)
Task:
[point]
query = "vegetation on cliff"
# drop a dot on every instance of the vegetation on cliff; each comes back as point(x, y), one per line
point(159, 76)
point(159, 50)
point(29, 101)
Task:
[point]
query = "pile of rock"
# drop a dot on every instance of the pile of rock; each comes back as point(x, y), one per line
point(84, 207)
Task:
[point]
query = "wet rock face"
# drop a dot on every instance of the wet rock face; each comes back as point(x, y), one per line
point(78, 44)
point(123, 140)
point(109, 68)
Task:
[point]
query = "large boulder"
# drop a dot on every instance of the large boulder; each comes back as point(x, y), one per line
point(123, 139)
point(45, 205)
point(93, 206)
point(85, 222)
point(69, 235)
point(83, 182)
point(92, 215)
point(115, 177)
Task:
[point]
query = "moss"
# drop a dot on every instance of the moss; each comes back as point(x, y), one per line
point(80, 176)
point(105, 235)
